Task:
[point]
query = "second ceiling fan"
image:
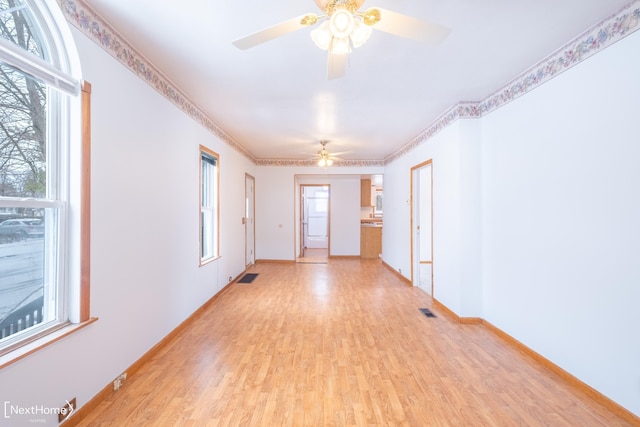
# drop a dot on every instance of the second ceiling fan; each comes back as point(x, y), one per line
point(344, 26)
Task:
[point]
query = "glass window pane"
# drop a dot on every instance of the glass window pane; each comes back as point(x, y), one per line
point(378, 207)
point(16, 26)
point(22, 135)
point(208, 206)
point(27, 278)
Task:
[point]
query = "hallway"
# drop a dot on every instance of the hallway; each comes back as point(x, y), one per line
point(339, 344)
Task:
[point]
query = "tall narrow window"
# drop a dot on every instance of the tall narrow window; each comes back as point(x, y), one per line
point(36, 91)
point(209, 214)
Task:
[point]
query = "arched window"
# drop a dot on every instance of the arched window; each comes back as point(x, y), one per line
point(39, 138)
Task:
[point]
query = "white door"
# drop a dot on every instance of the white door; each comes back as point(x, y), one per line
point(249, 220)
point(315, 216)
point(422, 226)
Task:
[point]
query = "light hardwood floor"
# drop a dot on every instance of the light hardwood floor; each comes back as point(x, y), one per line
point(340, 344)
point(314, 256)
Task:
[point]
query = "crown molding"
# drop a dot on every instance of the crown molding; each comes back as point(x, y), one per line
point(610, 30)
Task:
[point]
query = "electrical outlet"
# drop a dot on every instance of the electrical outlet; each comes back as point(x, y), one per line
point(67, 410)
point(117, 383)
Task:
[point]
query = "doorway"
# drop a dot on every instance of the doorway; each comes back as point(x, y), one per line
point(422, 226)
point(314, 222)
point(249, 220)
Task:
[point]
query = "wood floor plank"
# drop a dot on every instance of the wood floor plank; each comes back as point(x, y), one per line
point(340, 344)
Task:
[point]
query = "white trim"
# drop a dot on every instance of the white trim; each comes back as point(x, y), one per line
point(38, 68)
point(8, 202)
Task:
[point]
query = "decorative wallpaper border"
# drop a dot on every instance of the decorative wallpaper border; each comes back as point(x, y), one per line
point(95, 28)
point(609, 31)
point(314, 163)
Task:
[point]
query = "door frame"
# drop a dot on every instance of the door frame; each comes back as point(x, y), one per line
point(249, 221)
point(300, 218)
point(414, 205)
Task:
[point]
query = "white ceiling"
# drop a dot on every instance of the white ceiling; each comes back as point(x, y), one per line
point(275, 99)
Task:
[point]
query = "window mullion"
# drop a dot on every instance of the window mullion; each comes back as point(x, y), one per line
point(10, 202)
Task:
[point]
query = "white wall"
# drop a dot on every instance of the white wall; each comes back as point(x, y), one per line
point(560, 221)
point(452, 217)
point(145, 278)
point(536, 219)
point(471, 287)
point(277, 204)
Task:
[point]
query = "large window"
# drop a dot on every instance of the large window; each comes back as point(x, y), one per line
point(36, 91)
point(209, 209)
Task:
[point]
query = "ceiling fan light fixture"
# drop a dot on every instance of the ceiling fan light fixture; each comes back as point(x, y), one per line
point(325, 162)
point(344, 28)
point(325, 159)
point(340, 46)
point(321, 36)
point(341, 23)
point(360, 33)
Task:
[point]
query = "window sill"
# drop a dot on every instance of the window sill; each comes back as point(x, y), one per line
point(204, 262)
point(42, 342)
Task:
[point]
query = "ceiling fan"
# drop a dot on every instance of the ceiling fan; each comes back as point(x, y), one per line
point(345, 26)
point(324, 157)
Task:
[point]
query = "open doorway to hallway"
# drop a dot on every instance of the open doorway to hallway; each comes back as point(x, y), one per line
point(314, 223)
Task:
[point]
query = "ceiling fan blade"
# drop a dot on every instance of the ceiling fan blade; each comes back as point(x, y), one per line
point(410, 27)
point(339, 153)
point(337, 65)
point(322, 4)
point(275, 31)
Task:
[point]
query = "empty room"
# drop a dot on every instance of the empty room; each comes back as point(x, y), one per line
point(319, 213)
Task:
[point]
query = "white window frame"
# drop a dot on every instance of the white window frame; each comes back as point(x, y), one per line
point(67, 188)
point(209, 184)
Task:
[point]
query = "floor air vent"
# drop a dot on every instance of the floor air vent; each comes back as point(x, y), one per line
point(427, 312)
point(248, 278)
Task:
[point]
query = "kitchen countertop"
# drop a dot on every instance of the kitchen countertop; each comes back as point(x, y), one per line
point(371, 221)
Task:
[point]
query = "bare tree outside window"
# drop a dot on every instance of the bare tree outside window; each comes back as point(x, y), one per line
point(22, 113)
point(23, 175)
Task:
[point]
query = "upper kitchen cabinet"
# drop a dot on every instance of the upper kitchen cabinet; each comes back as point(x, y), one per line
point(365, 193)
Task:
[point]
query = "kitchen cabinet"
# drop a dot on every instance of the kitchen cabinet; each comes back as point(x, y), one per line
point(370, 241)
point(365, 193)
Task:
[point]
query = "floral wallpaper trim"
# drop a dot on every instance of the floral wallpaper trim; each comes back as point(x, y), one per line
point(314, 163)
point(607, 32)
point(94, 27)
